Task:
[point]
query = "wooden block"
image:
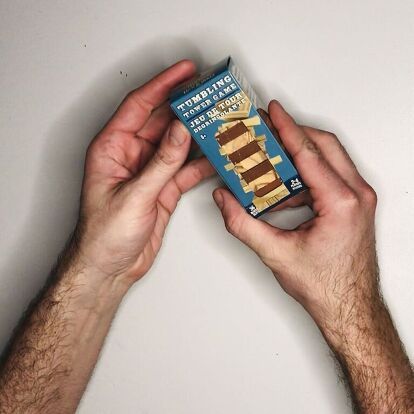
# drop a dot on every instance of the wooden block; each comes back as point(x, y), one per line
point(269, 199)
point(276, 160)
point(254, 120)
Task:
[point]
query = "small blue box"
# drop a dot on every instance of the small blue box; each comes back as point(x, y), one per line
point(220, 109)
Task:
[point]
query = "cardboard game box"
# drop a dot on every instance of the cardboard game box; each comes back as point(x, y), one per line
point(220, 110)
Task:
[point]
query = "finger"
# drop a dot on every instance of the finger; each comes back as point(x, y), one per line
point(117, 156)
point(186, 178)
point(300, 200)
point(136, 108)
point(146, 153)
point(254, 233)
point(156, 124)
point(194, 146)
point(337, 157)
point(324, 183)
point(193, 173)
point(167, 160)
point(269, 124)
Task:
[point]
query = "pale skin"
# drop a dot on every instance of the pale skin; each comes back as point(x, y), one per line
point(135, 174)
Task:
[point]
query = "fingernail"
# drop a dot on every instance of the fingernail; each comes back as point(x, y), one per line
point(218, 198)
point(178, 133)
point(275, 101)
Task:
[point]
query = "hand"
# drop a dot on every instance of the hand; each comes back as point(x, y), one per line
point(134, 178)
point(328, 263)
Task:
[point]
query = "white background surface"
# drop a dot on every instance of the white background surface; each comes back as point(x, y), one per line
point(208, 330)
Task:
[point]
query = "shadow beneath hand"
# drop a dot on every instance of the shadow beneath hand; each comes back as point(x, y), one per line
point(55, 197)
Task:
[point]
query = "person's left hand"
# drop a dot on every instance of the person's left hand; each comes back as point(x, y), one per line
point(134, 177)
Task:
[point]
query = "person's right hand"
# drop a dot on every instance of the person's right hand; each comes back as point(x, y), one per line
point(135, 175)
point(328, 264)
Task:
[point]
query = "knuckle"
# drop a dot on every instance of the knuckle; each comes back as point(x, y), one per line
point(333, 139)
point(177, 189)
point(196, 172)
point(370, 196)
point(309, 145)
point(163, 158)
point(136, 99)
point(129, 98)
point(90, 151)
point(348, 199)
point(332, 136)
point(233, 225)
point(307, 149)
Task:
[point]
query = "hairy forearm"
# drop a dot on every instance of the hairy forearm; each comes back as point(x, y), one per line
point(48, 362)
point(371, 355)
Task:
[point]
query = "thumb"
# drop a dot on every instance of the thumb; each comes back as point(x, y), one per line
point(167, 160)
point(256, 234)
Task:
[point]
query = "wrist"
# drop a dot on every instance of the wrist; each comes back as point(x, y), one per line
point(351, 318)
point(343, 303)
point(91, 285)
point(107, 254)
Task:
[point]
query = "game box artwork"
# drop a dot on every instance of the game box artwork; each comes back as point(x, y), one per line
point(222, 113)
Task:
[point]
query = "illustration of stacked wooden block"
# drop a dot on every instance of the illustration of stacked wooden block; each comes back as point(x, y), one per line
point(249, 159)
